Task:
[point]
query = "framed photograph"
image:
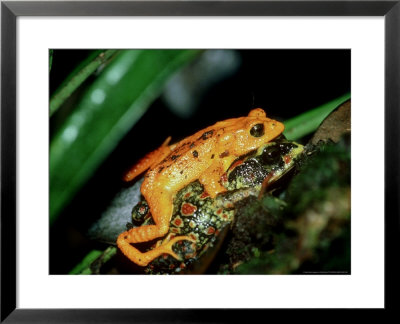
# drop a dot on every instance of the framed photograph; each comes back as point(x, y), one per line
point(240, 147)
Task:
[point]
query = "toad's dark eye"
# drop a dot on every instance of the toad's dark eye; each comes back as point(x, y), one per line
point(257, 130)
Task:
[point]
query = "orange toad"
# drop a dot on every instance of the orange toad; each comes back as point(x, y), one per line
point(204, 156)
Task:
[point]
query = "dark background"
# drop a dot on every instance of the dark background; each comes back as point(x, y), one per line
point(283, 82)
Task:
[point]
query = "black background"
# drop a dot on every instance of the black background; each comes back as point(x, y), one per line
point(283, 82)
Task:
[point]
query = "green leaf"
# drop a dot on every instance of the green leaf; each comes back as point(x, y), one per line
point(50, 59)
point(110, 107)
point(93, 261)
point(309, 121)
point(84, 266)
point(78, 76)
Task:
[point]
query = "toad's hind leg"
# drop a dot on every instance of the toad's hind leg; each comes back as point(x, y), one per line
point(144, 258)
point(147, 233)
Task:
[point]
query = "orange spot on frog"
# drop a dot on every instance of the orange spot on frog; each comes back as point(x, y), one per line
point(204, 156)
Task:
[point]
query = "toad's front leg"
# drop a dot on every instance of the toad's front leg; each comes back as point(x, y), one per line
point(149, 232)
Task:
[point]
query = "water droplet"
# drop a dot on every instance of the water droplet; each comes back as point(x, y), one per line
point(70, 133)
point(98, 96)
point(114, 75)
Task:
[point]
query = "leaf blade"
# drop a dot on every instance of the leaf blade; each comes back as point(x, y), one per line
point(77, 77)
point(107, 111)
point(309, 121)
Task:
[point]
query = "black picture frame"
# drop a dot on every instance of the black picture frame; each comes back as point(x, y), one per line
point(10, 10)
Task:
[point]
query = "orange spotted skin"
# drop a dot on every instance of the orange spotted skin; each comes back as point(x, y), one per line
point(204, 156)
